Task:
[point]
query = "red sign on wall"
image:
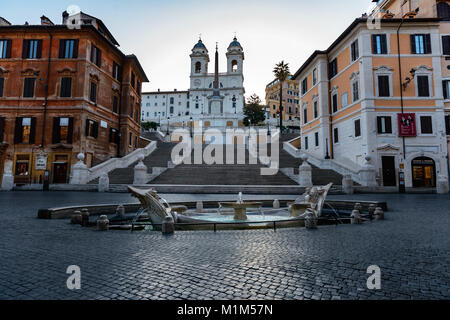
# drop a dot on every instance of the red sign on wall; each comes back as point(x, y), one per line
point(407, 125)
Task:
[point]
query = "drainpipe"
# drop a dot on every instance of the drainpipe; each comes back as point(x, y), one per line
point(46, 87)
point(400, 78)
point(119, 113)
point(330, 110)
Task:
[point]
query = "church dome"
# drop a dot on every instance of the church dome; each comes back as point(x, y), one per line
point(199, 45)
point(235, 44)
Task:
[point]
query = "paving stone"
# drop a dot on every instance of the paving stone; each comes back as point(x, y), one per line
point(411, 247)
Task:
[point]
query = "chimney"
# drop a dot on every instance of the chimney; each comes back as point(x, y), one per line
point(4, 22)
point(159, 90)
point(46, 21)
point(175, 90)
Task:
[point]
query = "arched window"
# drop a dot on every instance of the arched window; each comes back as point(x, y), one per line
point(198, 67)
point(234, 66)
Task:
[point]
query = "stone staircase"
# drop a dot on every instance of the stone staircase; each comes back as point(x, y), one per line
point(221, 174)
point(158, 159)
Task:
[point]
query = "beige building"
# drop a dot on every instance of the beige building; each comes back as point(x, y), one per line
point(290, 102)
point(380, 91)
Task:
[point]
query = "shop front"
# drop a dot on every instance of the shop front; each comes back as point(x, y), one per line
point(423, 172)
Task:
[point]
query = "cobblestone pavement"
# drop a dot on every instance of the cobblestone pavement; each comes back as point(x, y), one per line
point(411, 247)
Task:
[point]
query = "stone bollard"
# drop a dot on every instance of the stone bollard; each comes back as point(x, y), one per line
point(442, 185)
point(347, 184)
point(368, 174)
point(84, 218)
point(76, 218)
point(8, 177)
point(379, 214)
point(120, 211)
point(103, 223)
point(276, 204)
point(355, 218)
point(199, 206)
point(140, 172)
point(371, 211)
point(168, 226)
point(103, 183)
point(358, 207)
point(310, 220)
point(80, 171)
point(305, 173)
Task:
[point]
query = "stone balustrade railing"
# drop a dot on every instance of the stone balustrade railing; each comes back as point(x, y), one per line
point(124, 162)
point(344, 169)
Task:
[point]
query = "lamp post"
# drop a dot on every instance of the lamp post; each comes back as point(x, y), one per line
point(327, 156)
point(168, 125)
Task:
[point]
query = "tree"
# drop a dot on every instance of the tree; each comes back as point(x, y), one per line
point(282, 73)
point(253, 111)
point(149, 125)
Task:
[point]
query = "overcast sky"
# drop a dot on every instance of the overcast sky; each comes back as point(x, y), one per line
point(162, 33)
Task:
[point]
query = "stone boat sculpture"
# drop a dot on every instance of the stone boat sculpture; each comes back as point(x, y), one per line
point(158, 208)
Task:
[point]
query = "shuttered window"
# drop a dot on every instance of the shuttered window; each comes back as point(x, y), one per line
point(357, 128)
point(91, 128)
point(333, 68)
point(133, 80)
point(420, 44)
point(446, 45)
point(334, 101)
point(2, 85)
point(443, 10)
point(62, 130)
point(113, 136)
point(316, 138)
point(2, 129)
point(32, 49)
point(5, 48)
point(96, 55)
point(355, 86)
point(355, 50)
point(336, 135)
point(383, 86)
point(28, 87)
point(66, 87)
point(25, 130)
point(304, 85)
point(384, 125)
point(68, 48)
point(117, 72)
point(423, 86)
point(447, 125)
point(93, 93)
point(426, 125)
point(115, 104)
point(446, 88)
point(305, 115)
point(379, 44)
point(306, 143)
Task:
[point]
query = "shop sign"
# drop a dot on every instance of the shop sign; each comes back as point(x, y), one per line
point(41, 162)
point(407, 125)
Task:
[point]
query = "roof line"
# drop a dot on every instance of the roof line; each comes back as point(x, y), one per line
point(349, 29)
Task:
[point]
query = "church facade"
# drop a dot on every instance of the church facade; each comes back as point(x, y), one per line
point(214, 99)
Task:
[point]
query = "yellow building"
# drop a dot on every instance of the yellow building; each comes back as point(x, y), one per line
point(290, 102)
point(380, 93)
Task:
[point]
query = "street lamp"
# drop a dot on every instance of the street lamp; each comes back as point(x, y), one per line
point(168, 125)
point(190, 127)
